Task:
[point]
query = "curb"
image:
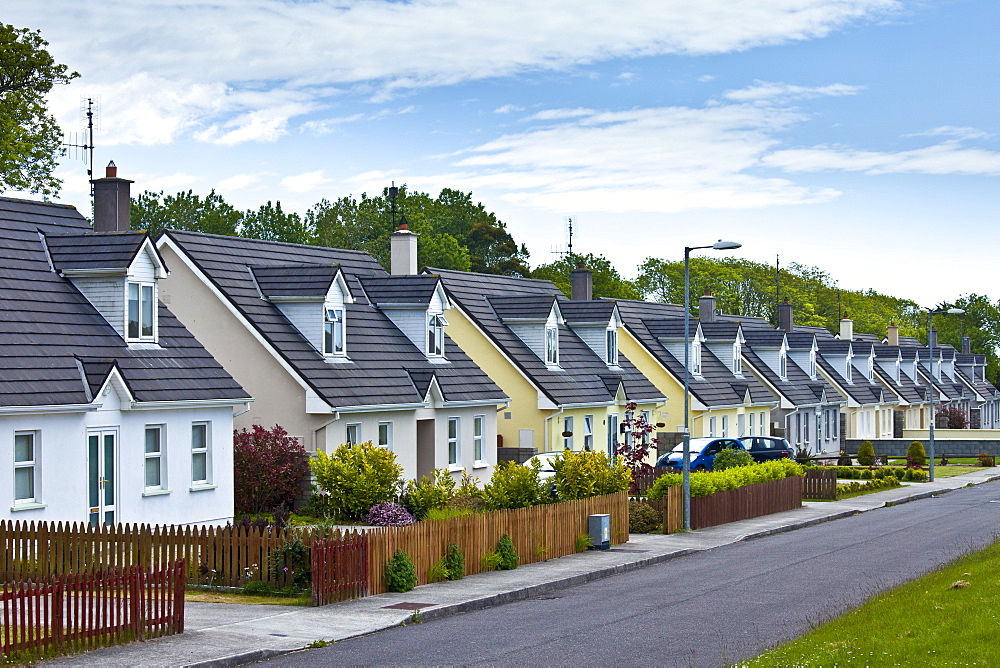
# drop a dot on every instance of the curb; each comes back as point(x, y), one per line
point(241, 659)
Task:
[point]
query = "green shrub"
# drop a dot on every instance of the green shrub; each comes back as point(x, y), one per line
point(916, 454)
point(582, 542)
point(985, 459)
point(515, 486)
point(642, 518)
point(400, 576)
point(428, 493)
point(866, 454)
point(731, 458)
point(257, 588)
point(357, 477)
point(454, 561)
point(918, 475)
point(866, 474)
point(583, 474)
point(446, 513)
point(508, 555)
point(467, 503)
point(437, 572)
point(292, 559)
point(704, 483)
point(490, 561)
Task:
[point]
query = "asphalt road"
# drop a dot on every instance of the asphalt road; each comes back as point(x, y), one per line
point(708, 609)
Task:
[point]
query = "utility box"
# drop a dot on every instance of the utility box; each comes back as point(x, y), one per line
point(600, 532)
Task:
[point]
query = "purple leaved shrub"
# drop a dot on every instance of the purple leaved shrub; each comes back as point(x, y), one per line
point(389, 514)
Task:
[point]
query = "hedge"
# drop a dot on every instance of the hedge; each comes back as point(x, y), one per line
point(704, 483)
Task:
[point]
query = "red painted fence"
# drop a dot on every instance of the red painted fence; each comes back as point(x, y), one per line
point(339, 569)
point(60, 614)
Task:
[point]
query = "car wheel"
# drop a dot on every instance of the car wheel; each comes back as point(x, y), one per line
point(700, 467)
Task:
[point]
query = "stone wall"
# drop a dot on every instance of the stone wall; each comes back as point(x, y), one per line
point(952, 447)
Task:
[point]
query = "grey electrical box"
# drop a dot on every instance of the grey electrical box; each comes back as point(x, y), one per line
point(600, 532)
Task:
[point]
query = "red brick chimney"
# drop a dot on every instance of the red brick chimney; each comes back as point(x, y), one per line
point(112, 202)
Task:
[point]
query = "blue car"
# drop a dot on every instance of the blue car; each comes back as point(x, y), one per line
point(703, 451)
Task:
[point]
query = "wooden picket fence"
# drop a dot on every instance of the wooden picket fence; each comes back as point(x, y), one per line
point(339, 568)
point(538, 533)
point(732, 505)
point(59, 614)
point(820, 484)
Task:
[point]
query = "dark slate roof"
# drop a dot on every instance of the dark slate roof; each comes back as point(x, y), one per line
point(983, 387)
point(295, 280)
point(868, 338)
point(909, 341)
point(717, 385)
point(763, 337)
point(583, 377)
point(884, 352)
point(833, 347)
point(862, 391)
point(820, 332)
point(720, 330)
point(383, 360)
point(670, 328)
point(400, 289)
point(112, 251)
point(580, 312)
point(797, 387)
point(862, 348)
point(800, 340)
point(55, 347)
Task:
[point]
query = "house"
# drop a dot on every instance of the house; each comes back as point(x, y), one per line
point(110, 410)
point(558, 360)
point(335, 349)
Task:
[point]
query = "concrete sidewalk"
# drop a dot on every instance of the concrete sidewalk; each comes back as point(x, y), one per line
point(219, 634)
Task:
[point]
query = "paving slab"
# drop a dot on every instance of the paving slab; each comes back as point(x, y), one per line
point(222, 634)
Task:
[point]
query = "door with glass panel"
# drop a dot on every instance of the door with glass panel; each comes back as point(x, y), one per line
point(102, 483)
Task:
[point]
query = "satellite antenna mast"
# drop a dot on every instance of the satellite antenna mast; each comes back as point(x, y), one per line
point(569, 247)
point(84, 147)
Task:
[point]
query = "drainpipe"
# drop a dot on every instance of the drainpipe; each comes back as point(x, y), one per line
point(246, 409)
point(555, 415)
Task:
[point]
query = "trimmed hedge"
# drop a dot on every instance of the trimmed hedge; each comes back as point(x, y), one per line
point(704, 483)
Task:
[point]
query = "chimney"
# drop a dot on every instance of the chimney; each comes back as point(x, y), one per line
point(581, 282)
point(785, 320)
point(892, 334)
point(111, 202)
point(706, 307)
point(933, 338)
point(403, 251)
point(846, 329)
point(966, 346)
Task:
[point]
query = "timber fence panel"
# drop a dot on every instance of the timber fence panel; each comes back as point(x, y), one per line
point(819, 484)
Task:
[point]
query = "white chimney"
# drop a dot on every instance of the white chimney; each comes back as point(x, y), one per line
point(403, 251)
point(892, 334)
point(846, 329)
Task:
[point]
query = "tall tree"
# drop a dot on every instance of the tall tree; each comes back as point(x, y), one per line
point(153, 212)
point(607, 282)
point(980, 322)
point(29, 137)
point(271, 223)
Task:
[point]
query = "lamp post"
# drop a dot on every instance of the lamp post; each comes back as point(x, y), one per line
point(930, 343)
point(719, 245)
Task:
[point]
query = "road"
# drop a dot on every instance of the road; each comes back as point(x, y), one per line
point(707, 609)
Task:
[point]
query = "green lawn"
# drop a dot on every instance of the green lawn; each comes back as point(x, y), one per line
point(946, 618)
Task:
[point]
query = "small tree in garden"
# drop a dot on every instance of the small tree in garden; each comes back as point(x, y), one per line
point(269, 469)
point(866, 454)
point(916, 454)
point(956, 418)
point(357, 477)
point(634, 451)
point(583, 474)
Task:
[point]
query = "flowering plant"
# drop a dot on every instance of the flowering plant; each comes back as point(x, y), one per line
point(389, 514)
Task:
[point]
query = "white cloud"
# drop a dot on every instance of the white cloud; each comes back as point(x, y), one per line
point(945, 158)
point(768, 90)
point(305, 182)
point(705, 78)
point(507, 108)
point(561, 114)
point(240, 181)
point(952, 131)
point(168, 183)
point(328, 125)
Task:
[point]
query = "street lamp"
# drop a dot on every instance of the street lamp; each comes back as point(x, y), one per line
point(718, 245)
point(930, 343)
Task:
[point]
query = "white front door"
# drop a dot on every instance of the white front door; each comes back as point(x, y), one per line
point(102, 483)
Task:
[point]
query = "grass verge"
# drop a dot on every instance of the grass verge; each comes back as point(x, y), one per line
point(203, 596)
point(945, 618)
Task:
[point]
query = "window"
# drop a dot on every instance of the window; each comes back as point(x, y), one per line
point(611, 346)
point(812, 363)
point(454, 429)
point(737, 358)
point(154, 457)
point(760, 427)
point(696, 357)
point(140, 311)
point(200, 468)
point(751, 423)
point(478, 427)
point(588, 432)
point(385, 435)
point(24, 467)
point(783, 365)
point(646, 421)
point(435, 334)
point(568, 429)
point(333, 332)
point(612, 434)
point(551, 345)
point(353, 434)
point(725, 425)
point(871, 369)
point(711, 426)
point(805, 427)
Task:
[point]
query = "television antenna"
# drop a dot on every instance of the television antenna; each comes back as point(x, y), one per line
point(569, 246)
point(81, 144)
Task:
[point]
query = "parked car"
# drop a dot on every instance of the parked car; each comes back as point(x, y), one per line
point(703, 451)
point(767, 448)
point(546, 471)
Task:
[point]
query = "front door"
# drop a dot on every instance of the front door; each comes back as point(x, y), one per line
point(102, 460)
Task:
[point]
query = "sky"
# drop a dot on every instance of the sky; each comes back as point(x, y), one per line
point(859, 136)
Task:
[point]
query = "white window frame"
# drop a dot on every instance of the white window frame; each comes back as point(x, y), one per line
point(157, 456)
point(478, 434)
point(435, 334)
point(334, 331)
point(203, 452)
point(783, 365)
point(725, 426)
point(588, 432)
point(454, 441)
point(805, 428)
point(761, 425)
point(751, 422)
point(711, 426)
point(696, 357)
point(552, 345)
point(352, 433)
point(385, 435)
point(611, 347)
point(568, 426)
point(612, 433)
point(812, 363)
point(141, 303)
point(737, 358)
point(27, 465)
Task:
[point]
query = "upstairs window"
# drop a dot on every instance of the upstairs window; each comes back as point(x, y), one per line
point(696, 358)
point(611, 347)
point(737, 358)
point(435, 334)
point(551, 345)
point(333, 332)
point(812, 363)
point(140, 312)
point(783, 365)
point(871, 369)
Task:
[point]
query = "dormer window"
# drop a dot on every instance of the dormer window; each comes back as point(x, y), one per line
point(141, 312)
point(551, 345)
point(611, 347)
point(812, 363)
point(333, 332)
point(871, 369)
point(783, 365)
point(696, 357)
point(737, 358)
point(435, 334)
